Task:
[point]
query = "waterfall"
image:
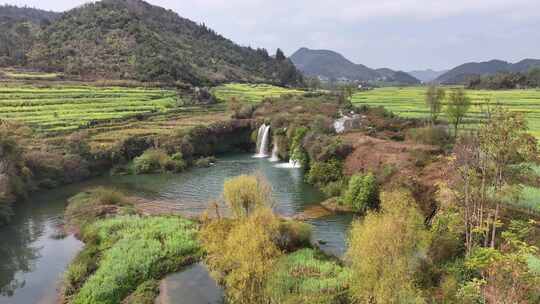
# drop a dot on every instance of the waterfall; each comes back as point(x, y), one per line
point(259, 137)
point(275, 150)
point(263, 142)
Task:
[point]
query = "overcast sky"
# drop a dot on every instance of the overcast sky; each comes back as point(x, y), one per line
point(399, 34)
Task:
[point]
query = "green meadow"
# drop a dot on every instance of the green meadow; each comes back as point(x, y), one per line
point(409, 102)
point(65, 108)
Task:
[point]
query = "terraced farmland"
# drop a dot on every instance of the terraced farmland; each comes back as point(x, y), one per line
point(251, 92)
point(106, 134)
point(65, 108)
point(409, 102)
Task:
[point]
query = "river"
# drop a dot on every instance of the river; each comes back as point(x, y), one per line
point(33, 255)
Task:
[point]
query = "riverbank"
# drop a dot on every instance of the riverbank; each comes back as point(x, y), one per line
point(187, 193)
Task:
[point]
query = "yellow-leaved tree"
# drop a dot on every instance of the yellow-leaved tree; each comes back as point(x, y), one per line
point(385, 251)
point(242, 252)
point(246, 193)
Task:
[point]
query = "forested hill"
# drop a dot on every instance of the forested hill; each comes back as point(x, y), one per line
point(332, 65)
point(131, 39)
point(462, 73)
point(37, 16)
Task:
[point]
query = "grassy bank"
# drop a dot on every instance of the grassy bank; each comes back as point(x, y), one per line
point(124, 254)
point(127, 252)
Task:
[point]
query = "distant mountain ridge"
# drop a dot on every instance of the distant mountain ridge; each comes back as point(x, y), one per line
point(332, 65)
point(427, 75)
point(461, 73)
point(132, 39)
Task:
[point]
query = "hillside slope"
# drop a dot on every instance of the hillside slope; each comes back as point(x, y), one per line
point(132, 39)
point(460, 74)
point(332, 65)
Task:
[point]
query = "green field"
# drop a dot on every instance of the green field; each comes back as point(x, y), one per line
point(409, 102)
point(64, 108)
point(250, 92)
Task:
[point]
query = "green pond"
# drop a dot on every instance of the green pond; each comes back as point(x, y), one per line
point(33, 256)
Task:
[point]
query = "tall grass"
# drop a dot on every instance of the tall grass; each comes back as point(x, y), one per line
point(132, 250)
point(307, 276)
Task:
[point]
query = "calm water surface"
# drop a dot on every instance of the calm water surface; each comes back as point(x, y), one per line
point(32, 257)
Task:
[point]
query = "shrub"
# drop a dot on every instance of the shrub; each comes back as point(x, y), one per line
point(177, 163)
point(157, 160)
point(298, 153)
point(244, 194)
point(362, 192)
point(294, 235)
point(151, 161)
point(437, 135)
point(323, 173)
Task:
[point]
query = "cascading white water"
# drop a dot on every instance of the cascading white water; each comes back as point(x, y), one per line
point(263, 143)
point(292, 164)
point(259, 136)
point(275, 150)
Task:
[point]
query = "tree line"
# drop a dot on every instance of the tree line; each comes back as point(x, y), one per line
point(506, 80)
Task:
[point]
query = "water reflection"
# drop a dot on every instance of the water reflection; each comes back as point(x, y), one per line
point(31, 258)
point(192, 286)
